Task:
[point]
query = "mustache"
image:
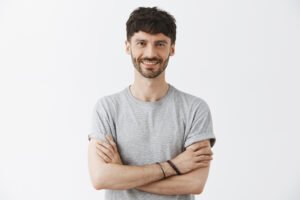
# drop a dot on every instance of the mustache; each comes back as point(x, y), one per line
point(156, 59)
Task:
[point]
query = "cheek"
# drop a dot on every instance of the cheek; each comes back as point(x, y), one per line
point(165, 56)
point(165, 53)
point(135, 58)
point(135, 54)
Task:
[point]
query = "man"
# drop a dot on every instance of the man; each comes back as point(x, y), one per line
point(150, 141)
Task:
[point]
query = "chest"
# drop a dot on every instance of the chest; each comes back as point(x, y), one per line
point(149, 135)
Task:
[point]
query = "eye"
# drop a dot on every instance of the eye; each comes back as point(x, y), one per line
point(141, 43)
point(161, 44)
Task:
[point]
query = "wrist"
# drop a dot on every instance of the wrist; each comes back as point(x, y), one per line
point(172, 165)
point(169, 171)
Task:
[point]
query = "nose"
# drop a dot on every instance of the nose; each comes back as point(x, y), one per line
point(150, 51)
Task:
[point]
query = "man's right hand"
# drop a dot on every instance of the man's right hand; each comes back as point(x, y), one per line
point(195, 156)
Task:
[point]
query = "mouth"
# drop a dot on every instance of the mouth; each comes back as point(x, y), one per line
point(150, 63)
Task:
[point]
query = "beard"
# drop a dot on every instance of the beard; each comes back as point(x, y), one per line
point(150, 73)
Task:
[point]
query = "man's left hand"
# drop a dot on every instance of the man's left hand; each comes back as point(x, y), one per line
point(108, 151)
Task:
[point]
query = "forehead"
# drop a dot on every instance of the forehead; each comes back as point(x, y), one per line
point(150, 37)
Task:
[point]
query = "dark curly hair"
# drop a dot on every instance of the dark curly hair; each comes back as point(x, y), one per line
point(151, 20)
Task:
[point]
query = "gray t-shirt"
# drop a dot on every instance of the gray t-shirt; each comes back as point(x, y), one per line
point(149, 132)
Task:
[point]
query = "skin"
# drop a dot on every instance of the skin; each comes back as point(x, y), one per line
point(193, 180)
point(150, 55)
point(150, 60)
point(141, 46)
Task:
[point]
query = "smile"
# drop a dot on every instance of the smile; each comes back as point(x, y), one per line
point(147, 62)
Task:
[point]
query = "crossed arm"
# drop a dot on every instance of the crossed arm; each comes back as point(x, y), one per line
point(108, 172)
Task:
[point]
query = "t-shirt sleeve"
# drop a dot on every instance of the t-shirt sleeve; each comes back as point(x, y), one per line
point(102, 122)
point(200, 125)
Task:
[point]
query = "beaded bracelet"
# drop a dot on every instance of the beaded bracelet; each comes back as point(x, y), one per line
point(174, 167)
point(162, 169)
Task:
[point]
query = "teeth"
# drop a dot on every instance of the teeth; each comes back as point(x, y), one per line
point(150, 63)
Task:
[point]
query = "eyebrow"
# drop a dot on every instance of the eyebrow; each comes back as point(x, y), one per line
point(139, 40)
point(161, 41)
point(157, 41)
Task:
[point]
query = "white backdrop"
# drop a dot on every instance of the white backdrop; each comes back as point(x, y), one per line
point(58, 57)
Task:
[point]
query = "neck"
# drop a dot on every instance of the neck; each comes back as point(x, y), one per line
point(151, 90)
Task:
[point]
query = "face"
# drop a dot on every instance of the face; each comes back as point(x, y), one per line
point(150, 53)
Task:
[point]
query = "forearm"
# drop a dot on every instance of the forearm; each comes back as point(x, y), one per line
point(122, 177)
point(190, 183)
point(108, 172)
point(115, 176)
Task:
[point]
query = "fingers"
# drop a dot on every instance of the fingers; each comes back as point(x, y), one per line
point(106, 145)
point(105, 148)
point(203, 164)
point(104, 156)
point(203, 155)
point(203, 158)
point(112, 142)
point(199, 145)
point(204, 151)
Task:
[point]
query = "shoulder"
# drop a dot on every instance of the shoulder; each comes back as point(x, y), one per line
point(189, 100)
point(110, 101)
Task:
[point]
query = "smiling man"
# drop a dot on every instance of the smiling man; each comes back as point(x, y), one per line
point(150, 140)
point(142, 45)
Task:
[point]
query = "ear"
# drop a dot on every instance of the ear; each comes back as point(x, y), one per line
point(172, 50)
point(127, 47)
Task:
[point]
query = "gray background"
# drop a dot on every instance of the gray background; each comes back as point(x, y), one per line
point(58, 57)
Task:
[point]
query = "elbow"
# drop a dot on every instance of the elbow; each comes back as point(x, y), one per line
point(99, 180)
point(197, 188)
point(197, 191)
point(97, 186)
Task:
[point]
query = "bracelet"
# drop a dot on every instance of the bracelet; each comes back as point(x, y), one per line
point(162, 169)
point(174, 167)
